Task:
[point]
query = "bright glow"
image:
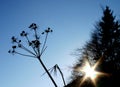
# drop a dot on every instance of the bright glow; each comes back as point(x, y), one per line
point(90, 72)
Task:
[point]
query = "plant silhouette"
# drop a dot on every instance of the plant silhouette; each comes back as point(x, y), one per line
point(35, 48)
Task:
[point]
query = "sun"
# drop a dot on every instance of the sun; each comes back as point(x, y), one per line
point(90, 72)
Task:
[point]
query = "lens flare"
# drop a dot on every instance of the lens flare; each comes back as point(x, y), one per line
point(90, 72)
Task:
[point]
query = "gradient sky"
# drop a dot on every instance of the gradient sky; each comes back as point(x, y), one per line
point(71, 20)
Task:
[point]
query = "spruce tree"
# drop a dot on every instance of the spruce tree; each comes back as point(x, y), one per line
point(105, 40)
point(104, 45)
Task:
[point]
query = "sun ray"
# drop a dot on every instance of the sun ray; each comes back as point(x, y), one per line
point(90, 71)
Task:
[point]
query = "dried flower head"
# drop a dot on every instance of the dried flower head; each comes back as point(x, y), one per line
point(33, 26)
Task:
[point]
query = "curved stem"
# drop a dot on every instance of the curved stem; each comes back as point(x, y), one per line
point(61, 74)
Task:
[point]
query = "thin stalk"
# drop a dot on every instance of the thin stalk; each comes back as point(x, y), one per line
point(43, 51)
point(47, 72)
point(31, 46)
point(43, 47)
point(27, 50)
point(51, 69)
point(61, 75)
point(23, 47)
point(24, 54)
point(36, 36)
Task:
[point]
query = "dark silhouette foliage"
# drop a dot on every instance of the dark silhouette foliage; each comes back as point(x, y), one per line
point(104, 45)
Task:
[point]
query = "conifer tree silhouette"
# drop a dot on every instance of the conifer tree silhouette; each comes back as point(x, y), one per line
point(105, 45)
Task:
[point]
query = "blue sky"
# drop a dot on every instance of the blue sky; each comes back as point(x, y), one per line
point(71, 20)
